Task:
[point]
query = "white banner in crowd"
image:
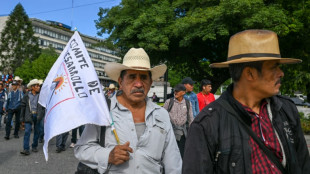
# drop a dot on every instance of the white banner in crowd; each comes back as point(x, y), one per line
point(72, 93)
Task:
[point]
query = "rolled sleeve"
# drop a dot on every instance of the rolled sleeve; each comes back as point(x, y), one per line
point(89, 152)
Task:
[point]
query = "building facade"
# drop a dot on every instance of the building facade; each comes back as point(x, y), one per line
point(57, 35)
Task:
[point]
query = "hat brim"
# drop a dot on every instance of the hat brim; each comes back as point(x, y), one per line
point(251, 59)
point(113, 70)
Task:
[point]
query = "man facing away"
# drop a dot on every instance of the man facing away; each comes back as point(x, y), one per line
point(205, 97)
point(218, 141)
point(13, 107)
point(181, 115)
point(147, 142)
point(31, 116)
point(190, 95)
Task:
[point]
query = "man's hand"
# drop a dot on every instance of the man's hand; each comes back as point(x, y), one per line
point(120, 154)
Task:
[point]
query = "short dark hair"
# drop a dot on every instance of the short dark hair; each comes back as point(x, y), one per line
point(236, 69)
point(123, 73)
point(204, 82)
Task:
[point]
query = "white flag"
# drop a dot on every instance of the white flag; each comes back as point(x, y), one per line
point(71, 93)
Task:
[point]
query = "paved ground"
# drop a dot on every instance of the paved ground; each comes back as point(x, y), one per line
point(12, 162)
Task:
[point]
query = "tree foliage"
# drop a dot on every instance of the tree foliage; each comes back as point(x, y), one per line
point(39, 68)
point(17, 42)
point(181, 33)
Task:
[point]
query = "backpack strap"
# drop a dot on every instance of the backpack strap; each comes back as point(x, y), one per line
point(103, 128)
point(171, 102)
point(187, 107)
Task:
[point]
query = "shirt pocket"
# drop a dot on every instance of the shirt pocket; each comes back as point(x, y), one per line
point(155, 141)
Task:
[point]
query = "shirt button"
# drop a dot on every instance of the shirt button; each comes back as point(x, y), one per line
point(272, 166)
point(233, 164)
point(132, 129)
point(137, 167)
point(266, 142)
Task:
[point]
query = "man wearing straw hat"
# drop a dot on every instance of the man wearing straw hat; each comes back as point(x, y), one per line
point(250, 128)
point(31, 116)
point(147, 142)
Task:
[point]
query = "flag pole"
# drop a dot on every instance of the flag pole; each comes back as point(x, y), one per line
point(114, 130)
point(115, 134)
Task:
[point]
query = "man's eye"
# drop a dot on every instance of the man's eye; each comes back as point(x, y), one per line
point(132, 76)
point(143, 77)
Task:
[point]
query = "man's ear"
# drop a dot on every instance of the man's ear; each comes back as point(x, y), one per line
point(249, 73)
point(120, 82)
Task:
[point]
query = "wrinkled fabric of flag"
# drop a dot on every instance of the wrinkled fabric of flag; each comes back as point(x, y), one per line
point(72, 93)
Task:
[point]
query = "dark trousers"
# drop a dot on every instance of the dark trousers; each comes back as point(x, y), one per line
point(74, 133)
point(181, 145)
point(61, 140)
point(36, 129)
point(11, 112)
point(41, 129)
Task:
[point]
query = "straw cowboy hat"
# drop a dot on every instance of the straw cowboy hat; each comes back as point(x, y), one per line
point(135, 59)
point(253, 45)
point(33, 82)
point(111, 86)
point(17, 78)
point(40, 81)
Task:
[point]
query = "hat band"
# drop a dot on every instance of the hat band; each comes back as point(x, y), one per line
point(140, 67)
point(254, 55)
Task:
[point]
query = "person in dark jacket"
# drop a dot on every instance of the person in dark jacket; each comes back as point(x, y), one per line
point(13, 107)
point(218, 141)
point(31, 116)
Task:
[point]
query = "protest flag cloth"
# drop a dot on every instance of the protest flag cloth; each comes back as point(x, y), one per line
point(72, 93)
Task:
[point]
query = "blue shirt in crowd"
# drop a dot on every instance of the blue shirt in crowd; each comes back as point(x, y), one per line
point(14, 99)
point(194, 100)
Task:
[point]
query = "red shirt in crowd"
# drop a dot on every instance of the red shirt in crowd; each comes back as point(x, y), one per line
point(204, 99)
point(262, 127)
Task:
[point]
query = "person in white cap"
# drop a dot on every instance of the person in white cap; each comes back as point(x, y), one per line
point(31, 115)
point(250, 128)
point(147, 141)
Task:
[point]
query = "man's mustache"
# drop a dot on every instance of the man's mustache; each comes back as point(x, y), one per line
point(137, 90)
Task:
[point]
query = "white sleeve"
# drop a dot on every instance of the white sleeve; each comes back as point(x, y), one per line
point(88, 150)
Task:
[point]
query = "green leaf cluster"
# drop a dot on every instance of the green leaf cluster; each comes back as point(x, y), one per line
point(181, 33)
point(17, 42)
point(39, 68)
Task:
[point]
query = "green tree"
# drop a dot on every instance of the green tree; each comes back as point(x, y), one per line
point(39, 68)
point(17, 42)
point(188, 31)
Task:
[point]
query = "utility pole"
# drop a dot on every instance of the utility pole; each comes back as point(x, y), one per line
point(165, 85)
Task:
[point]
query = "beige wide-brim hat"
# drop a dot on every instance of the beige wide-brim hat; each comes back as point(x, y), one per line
point(134, 59)
point(33, 82)
point(111, 86)
point(254, 45)
point(17, 78)
point(40, 81)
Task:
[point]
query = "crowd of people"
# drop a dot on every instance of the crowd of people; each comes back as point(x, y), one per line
point(21, 102)
point(249, 129)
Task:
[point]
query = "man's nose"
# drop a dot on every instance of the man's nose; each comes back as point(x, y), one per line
point(281, 73)
point(138, 82)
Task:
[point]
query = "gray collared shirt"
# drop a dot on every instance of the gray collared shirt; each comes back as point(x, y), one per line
point(33, 99)
point(156, 150)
